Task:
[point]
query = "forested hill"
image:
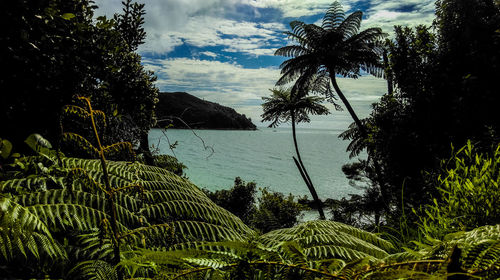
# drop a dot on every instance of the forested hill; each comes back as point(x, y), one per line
point(198, 113)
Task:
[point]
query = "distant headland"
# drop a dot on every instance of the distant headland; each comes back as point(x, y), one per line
point(183, 109)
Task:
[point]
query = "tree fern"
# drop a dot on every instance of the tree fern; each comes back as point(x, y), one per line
point(23, 232)
point(330, 233)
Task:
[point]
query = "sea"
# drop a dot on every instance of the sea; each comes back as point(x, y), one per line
point(216, 157)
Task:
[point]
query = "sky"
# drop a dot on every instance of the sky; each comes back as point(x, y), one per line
point(223, 50)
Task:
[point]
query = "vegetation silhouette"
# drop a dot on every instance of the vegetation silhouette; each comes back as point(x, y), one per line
point(56, 49)
point(337, 47)
point(444, 92)
point(283, 106)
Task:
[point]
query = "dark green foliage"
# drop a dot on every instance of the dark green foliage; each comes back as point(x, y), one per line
point(317, 249)
point(169, 163)
point(468, 193)
point(275, 210)
point(239, 200)
point(272, 210)
point(56, 49)
point(129, 24)
point(445, 92)
point(68, 216)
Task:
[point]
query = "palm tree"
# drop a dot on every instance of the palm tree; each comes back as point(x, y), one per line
point(334, 48)
point(283, 106)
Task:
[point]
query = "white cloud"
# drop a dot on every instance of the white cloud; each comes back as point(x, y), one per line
point(387, 13)
point(236, 36)
point(209, 54)
point(295, 8)
point(200, 23)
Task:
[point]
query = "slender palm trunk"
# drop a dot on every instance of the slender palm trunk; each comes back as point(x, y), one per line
point(388, 73)
point(305, 175)
point(361, 127)
point(364, 134)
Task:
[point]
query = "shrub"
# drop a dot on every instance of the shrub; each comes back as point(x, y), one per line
point(239, 200)
point(276, 211)
point(469, 193)
point(169, 163)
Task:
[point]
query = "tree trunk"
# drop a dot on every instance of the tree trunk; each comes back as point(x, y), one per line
point(364, 134)
point(361, 127)
point(388, 74)
point(304, 173)
point(144, 148)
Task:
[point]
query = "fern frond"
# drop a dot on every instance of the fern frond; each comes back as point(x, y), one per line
point(80, 143)
point(22, 231)
point(345, 240)
point(96, 202)
point(158, 235)
point(326, 228)
point(154, 197)
point(331, 251)
point(30, 184)
point(94, 245)
point(123, 149)
point(191, 231)
point(189, 210)
point(333, 16)
point(70, 216)
point(93, 269)
point(172, 185)
point(75, 111)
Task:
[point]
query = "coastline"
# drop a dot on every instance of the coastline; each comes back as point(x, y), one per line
point(198, 128)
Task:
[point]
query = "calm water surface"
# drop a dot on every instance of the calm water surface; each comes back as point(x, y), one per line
point(263, 156)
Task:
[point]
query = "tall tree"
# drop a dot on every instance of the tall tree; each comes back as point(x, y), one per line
point(334, 48)
point(445, 92)
point(283, 106)
point(56, 49)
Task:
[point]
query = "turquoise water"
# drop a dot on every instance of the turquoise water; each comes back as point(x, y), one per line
point(263, 156)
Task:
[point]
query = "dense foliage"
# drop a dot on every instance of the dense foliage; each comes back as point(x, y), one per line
point(468, 191)
point(445, 91)
point(68, 215)
point(272, 210)
point(56, 49)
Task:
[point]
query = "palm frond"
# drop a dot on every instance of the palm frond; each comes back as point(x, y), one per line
point(350, 26)
point(291, 51)
point(333, 16)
